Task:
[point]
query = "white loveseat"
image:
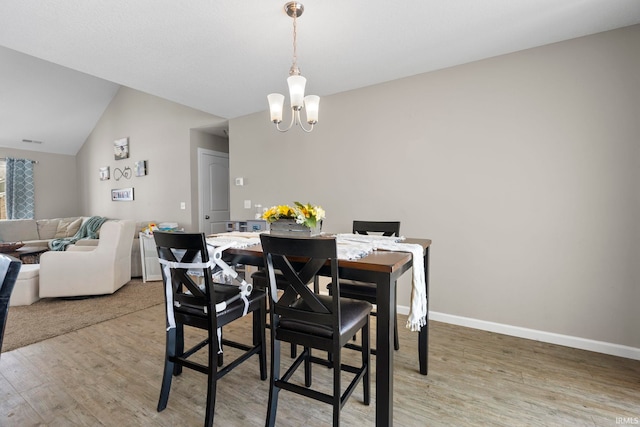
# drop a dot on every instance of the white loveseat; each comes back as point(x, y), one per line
point(90, 270)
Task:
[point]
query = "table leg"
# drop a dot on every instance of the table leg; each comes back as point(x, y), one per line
point(384, 355)
point(423, 335)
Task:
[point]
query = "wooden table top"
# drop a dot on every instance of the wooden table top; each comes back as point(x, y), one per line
point(381, 260)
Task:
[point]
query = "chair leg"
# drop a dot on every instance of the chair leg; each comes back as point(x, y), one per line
point(169, 369)
point(211, 379)
point(337, 393)
point(307, 367)
point(179, 347)
point(273, 389)
point(259, 338)
point(366, 361)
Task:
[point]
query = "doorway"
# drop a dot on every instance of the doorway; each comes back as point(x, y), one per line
point(213, 189)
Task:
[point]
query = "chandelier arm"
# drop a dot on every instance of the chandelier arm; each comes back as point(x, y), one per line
point(302, 127)
point(301, 124)
point(293, 120)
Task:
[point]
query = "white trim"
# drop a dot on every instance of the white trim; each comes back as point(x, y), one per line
point(532, 334)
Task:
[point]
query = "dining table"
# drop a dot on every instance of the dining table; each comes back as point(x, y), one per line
point(383, 268)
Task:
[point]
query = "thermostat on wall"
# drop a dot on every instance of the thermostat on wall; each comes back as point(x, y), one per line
point(239, 181)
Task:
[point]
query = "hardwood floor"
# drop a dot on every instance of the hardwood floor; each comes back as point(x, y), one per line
point(109, 374)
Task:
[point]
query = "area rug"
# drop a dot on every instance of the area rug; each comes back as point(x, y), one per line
point(51, 317)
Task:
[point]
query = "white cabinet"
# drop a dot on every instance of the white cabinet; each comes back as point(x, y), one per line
point(149, 258)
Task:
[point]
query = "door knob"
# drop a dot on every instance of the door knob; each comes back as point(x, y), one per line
point(206, 217)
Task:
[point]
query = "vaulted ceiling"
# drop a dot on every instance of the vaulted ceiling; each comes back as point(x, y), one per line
point(62, 62)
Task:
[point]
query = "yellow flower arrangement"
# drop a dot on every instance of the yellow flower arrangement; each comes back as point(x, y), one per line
point(307, 215)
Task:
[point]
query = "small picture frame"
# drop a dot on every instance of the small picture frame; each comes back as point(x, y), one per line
point(105, 173)
point(122, 195)
point(121, 148)
point(140, 168)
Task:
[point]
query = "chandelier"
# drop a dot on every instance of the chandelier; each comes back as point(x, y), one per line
point(296, 85)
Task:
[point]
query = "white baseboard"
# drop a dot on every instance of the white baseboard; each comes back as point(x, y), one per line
point(532, 334)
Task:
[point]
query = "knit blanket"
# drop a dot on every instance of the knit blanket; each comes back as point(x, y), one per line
point(88, 230)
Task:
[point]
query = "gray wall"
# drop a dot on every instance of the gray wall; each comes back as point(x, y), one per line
point(523, 169)
point(160, 132)
point(56, 186)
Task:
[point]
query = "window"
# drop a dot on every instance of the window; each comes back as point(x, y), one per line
point(19, 189)
point(3, 201)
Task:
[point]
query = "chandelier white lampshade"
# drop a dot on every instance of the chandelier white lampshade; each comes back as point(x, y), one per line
point(312, 104)
point(276, 103)
point(296, 91)
point(296, 84)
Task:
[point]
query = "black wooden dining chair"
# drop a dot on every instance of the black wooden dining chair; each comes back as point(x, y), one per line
point(9, 269)
point(185, 261)
point(304, 317)
point(364, 290)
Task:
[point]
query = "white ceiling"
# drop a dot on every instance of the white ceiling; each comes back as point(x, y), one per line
point(225, 56)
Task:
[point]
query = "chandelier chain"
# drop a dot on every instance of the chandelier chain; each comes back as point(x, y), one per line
point(294, 66)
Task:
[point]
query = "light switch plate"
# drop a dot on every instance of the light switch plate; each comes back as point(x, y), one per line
point(247, 204)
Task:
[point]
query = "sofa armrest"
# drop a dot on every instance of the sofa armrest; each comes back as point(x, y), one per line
point(87, 242)
point(80, 248)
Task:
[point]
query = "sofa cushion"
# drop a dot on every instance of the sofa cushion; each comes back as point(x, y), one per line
point(68, 227)
point(37, 243)
point(47, 228)
point(74, 226)
point(17, 230)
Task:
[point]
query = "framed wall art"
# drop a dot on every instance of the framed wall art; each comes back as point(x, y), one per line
point(105, 173)
point(121, 148)
point(140, 168)
point(122, 173)
point(122, 195)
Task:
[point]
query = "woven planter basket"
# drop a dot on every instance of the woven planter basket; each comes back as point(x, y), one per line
point(289, 228)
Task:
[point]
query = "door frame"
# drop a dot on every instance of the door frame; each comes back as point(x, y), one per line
point(201, 152)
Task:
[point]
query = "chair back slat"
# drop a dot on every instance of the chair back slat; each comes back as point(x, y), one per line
point(299, 281)
point(180, 276)
point(187, 248)
point(387, 228)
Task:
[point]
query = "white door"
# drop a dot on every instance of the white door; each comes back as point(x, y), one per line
point(214, 190)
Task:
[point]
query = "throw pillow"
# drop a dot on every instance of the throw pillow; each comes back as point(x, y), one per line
point(47, 228)
point(67, 227)
point(73, 227)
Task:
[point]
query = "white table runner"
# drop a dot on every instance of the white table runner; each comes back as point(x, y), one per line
point(355, 246)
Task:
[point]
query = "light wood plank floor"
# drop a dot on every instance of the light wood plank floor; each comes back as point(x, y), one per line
point(109, 374)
